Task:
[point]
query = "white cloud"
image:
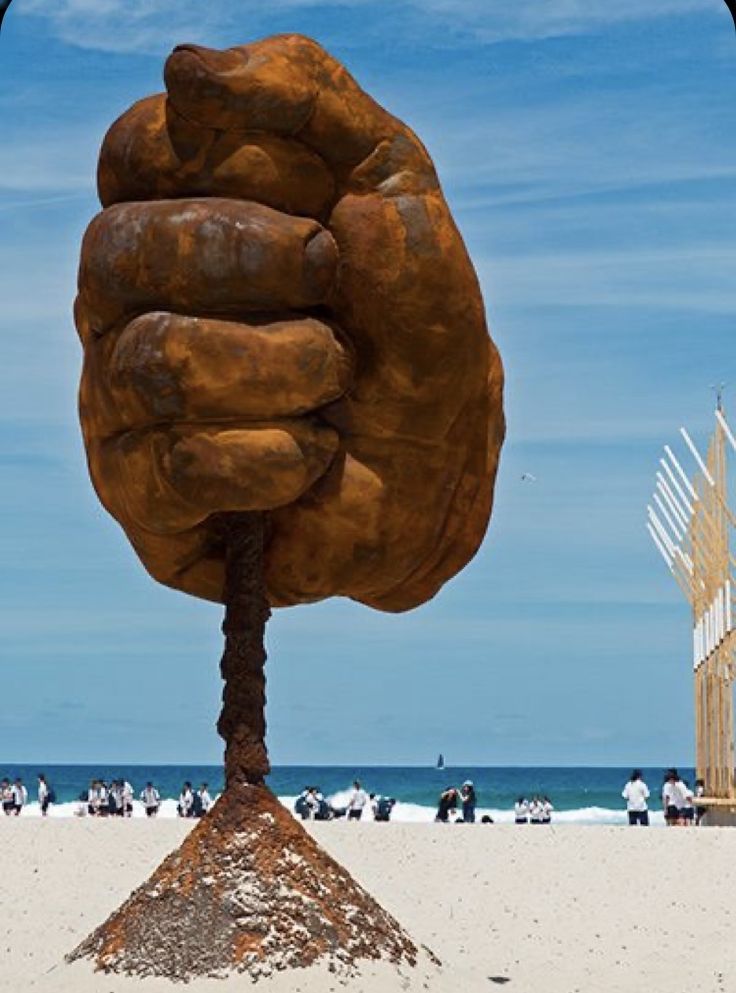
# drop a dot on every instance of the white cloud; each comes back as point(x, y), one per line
point(690, 277)
point(149, 26)
point(61, 162)
point(496, 20)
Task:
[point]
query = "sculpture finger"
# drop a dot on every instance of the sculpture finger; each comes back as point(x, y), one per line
point(167, 480)
point(392, 520)
point(169, 367)
point(289, 85)
point(409, 299)
point(209, 256)
point(151, 152)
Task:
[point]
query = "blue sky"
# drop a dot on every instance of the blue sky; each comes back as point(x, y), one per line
point(588, 151)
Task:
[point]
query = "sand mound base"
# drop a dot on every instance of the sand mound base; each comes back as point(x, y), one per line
point(248, 891)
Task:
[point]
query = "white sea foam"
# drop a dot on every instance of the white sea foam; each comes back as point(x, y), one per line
point(410, 813)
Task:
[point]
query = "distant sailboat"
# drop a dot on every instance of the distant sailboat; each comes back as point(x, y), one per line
point(440, 761)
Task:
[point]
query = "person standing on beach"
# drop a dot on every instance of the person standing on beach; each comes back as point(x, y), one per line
point(636, 794)
point(673, 798)
point(20, 796)
point(6, 795)
point(521, 811)
point(448, 802)
point(151, 799)
point(356, 803)
point(687, 811)
point(127, 794)
point(115, 798)
point(185, 807)
point(45, 795)
point(93, 799)
point(202, 801)
point(467, 793)
point(700, 811)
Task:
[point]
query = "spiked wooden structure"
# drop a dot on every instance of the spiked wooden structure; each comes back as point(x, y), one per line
point(691, 524)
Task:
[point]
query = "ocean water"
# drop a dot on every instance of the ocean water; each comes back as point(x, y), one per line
point(581, 795)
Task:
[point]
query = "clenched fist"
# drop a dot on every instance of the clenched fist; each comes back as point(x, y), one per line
point(278, 314)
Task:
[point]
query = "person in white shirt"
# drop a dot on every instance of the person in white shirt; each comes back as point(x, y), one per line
point(547, 809)
point(151, 799)
point(203, 800)
point(44, 794)
point(636, 794)
point(356, 803)
point(6, 792)
point(687, 810)
point(535, 811)
point(700, 811)
point(674, 799)
point(115, 798)
point(186, 801)
point(127, 796)
point(93, 799)
point(521, 811)
point(20, 796)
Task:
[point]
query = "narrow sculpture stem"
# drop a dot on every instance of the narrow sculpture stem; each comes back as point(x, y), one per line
point(242, 722)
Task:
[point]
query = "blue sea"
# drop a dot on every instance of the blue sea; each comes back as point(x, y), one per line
point(583, 795)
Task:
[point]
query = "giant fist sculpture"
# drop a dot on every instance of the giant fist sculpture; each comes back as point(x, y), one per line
point(279, 314)
point(280, 324)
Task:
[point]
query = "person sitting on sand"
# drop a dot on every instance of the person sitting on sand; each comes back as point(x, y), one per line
point(384, 807)
point(151, 799)
point(356, 803)
point(448, 802)
point(6, 797)
point(312, 803)
point(547, 809)
point(535, 810)
point(186, 801)
point(467, 793)
point(636, 794)
point(521, 810)
point(20, 796)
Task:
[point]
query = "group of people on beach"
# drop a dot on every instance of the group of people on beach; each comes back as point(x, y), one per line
point(116, 799)
point(194, 803)
point(312, 805)
point(457, 806)
point(538, 810)
point(14, 795)
point(105, 799)
point(679, 801)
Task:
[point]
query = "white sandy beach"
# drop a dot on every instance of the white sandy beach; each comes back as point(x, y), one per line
point(560, 909)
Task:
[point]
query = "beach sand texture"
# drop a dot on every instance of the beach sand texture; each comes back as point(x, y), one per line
point(563, 909)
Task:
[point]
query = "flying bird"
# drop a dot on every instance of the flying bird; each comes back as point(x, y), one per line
point(731, 4)
point(4, 4)
point(526, 477)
